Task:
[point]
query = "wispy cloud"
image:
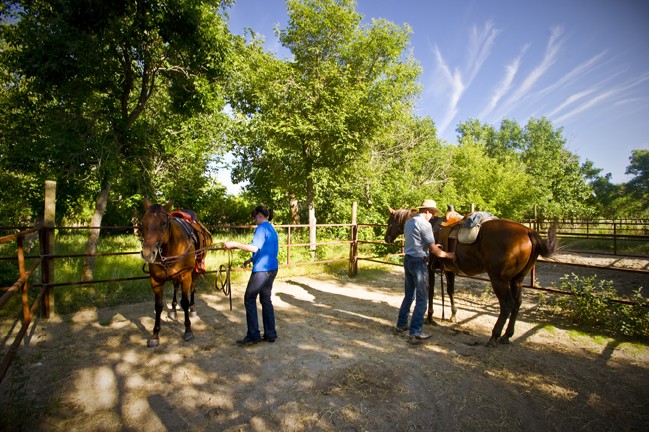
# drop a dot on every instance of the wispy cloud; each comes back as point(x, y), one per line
point(574, 74)
point(453, 84)
point(600, 98)
point(550, 57)
point(510, 73)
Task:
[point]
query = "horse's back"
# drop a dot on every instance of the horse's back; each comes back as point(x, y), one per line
point(503, 246)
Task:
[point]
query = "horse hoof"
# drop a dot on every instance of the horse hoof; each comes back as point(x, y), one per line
point(188, 336)
point(491, 343)
point(503, 340)
point(153, 343)
point(192, 314)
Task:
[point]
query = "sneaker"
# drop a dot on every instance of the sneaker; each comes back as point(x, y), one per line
point(248, 341)
point(269, 339)
point(417, 339)
point(400, 331)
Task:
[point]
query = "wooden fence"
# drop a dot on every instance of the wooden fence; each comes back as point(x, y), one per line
point(47, 257)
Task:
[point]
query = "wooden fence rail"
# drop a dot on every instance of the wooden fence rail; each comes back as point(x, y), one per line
point(47, 258)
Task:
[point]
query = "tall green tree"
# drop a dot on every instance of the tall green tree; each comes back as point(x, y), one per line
point(311, 119)
point(106, 77)
point(497, 182)
point(638, 186)
point(555, 183)
point(558, 182)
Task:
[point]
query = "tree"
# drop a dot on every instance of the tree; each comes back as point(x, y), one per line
point(93, 69)
point(557, 179)
point(308, 121)
point(638, 186)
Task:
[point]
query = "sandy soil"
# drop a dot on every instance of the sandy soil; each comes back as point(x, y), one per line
point(336, 366)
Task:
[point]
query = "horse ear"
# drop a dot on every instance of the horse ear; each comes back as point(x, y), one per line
point(169, 205)
point(147, 203)
point(391, 210)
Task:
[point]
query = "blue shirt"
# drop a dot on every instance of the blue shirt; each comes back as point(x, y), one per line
point(418, 234)
point(265, 238)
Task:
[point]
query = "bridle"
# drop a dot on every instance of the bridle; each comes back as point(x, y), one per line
point(166, 261)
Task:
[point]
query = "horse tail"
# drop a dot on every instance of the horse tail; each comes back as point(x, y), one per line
point(547, 247)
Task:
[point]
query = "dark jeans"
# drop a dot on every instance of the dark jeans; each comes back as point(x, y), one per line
point(415, 288)
point(260, 284)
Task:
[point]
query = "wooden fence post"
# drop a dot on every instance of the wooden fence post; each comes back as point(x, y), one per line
point(48, 247)
point(353, 246)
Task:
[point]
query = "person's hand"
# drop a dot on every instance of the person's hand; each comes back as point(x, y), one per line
point(451, 256)
point(229, 245)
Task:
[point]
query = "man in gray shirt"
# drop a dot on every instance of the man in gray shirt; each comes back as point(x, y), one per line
point(419, 242)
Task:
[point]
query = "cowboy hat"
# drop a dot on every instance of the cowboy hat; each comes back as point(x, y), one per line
point(430, 205)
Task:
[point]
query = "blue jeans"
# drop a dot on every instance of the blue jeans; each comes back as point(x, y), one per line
point(416, 288)
point(260, 284)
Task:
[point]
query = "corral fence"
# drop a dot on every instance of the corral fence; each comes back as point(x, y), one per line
point(609, 235)
point(360, 238)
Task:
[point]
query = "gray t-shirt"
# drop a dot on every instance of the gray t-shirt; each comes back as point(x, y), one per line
point(418, 234)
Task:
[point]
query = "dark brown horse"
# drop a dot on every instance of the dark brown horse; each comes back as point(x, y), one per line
point(173, 249)
point(504, 249)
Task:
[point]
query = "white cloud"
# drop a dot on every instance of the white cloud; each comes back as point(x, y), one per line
point(453, 84)
point(574, 74)
point(510, 73)
point(616, 91)
point(552, 49)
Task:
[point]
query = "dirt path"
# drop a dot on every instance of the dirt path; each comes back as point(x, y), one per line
point(336, 367)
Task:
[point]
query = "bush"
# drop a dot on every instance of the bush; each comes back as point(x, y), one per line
point(592, 304)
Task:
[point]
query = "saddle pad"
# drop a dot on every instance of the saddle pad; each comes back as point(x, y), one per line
point(468, 235)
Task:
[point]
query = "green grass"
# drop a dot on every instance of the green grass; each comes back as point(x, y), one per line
point(69, 299)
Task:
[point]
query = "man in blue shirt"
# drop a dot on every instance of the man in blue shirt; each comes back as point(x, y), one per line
point(264, 248)
point(419, 242)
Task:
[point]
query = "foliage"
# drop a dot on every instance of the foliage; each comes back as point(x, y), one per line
point(121, 94)
point(498, 186)
point(131, 97)
point(555, 182)
point(638, 186)
point(307, 123)
point(591, 304)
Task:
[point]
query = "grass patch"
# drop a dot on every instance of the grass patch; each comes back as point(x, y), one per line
point(593, 306)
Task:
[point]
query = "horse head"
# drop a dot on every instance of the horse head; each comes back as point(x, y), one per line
point(396, 222)
point(155, 229)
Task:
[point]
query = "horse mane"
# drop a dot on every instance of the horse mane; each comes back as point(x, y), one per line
point(402, 215)
point(155, 207)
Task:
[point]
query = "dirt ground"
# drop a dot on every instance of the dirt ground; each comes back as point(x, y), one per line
point(336, 366)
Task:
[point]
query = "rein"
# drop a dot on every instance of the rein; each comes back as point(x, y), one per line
point(222, 279)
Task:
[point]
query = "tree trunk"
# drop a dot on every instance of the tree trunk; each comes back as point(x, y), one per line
point(93, 236)
point(310, 194)
point(294, 208)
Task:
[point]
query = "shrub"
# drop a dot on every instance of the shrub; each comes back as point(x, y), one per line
point(592, 303)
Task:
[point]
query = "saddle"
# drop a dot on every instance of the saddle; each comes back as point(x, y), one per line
point(464, 230)
point(197, 232)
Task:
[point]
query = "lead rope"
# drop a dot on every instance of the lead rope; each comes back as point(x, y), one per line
point(441, 280)
point(222, 280)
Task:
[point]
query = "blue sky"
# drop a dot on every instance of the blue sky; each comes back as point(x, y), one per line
point(583, 64)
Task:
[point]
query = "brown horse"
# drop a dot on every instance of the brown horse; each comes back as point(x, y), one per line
point(172, 248)
point(505, 250)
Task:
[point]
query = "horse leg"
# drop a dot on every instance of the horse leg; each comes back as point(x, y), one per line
point(192, 308)
point(506, 302)
point(158, 291)
point(431, 292)
point(517, 295)
point(174, 302)
point(450, 290)
point(184, 302)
